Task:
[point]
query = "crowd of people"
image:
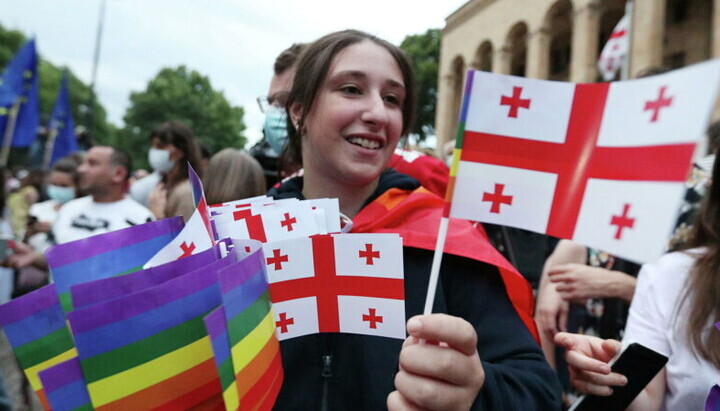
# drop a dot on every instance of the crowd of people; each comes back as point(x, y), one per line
point(336, 112)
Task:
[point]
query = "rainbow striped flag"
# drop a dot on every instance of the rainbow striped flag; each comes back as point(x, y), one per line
point(94, 292)
point(65, 387)
point(35, 326)
point(150, 349)
point(106, 255)
point(217, 330)
point(255, 350)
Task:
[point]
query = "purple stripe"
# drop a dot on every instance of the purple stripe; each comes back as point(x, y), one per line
point(122, 308)
point(93, 292)
point(466, 98)
point(29, 304)
point(61, 374)
point(717, 326)
point(240, 298)
point(713, 399)
point(239, 272)
point(215, 322)
point(196, 184)
point(74, 251)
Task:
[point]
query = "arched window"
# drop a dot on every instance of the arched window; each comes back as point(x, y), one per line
point(688, 32)
point(483, 59)
point(517, 45)
point(559, 22)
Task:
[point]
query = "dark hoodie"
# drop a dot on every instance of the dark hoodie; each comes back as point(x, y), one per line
point(355, 372)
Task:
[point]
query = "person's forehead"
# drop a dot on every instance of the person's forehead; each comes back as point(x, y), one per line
point(100, 153)
point(365, 55)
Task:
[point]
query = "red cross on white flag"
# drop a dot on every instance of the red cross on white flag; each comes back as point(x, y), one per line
point(583, 152)
point(325, 286)
point(615, 50)
point(269, 221)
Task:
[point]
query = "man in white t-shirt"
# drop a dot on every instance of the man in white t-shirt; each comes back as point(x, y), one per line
point(104, 176)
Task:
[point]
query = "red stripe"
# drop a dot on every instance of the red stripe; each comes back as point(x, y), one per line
point(268, 402)
point(258, 395)
point(43, 399)
point(202, 398)
point(578, 159)
point(324, 258)
point(254, 222)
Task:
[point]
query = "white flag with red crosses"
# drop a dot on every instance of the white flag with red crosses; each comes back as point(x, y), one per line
point(350, 283)
point(615, 50)
point(268, 221)
point(603, 164)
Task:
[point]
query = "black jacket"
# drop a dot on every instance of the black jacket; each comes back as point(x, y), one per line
point(354, 372)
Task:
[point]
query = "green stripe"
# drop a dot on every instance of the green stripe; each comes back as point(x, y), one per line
point(226, 373)
point(45, 348)
point(246, 321)
point(66, 298)
point(460, 135)
point(123, 358)
point(86, 407)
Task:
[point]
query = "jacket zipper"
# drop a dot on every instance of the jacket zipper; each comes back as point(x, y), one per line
point(326, 374)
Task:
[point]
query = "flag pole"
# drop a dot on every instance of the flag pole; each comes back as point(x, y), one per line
point(49, 147)
point(625, 70)
point(435, 268)
point(9, 131)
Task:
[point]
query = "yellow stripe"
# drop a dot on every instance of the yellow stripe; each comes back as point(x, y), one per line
point(152, 372)
point(244, 351)
point(455, 162)
point(230, 397)
point(32, 372)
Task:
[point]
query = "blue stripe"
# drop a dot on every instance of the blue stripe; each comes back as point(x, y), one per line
point(244, 295)
point(119, 334)
point(108, 264)
point(221, 347)
point(69, 397)
point(35, 326)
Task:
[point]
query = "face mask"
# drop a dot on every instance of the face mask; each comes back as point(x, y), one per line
point(60, 194)
point(275, 128)
point(160, 160)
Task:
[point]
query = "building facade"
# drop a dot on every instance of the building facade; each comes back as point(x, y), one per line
point(562, 39)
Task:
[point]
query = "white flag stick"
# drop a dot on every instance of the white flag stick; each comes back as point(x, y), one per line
point(435, 269)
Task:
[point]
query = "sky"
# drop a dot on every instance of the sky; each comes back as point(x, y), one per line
point(233, 42)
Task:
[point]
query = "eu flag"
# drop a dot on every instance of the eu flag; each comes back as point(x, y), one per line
point(62, 126)
point(19, 85)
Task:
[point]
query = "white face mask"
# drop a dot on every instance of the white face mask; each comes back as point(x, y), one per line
point(160, 160)
point(60, 194)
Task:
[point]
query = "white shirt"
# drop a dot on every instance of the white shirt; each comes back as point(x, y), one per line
point(140, 190)
point(82, 217)
point(652, 322)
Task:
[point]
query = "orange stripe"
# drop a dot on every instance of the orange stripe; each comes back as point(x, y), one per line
point(167, 390)
point(43, 399)
point(251, 374)
point(201, 398)
point(255, 396)
point(268, 400)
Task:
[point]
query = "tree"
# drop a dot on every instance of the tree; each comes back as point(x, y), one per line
point(424, 53)
point(184, 95)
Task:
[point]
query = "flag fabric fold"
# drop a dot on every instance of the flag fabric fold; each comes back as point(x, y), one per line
point(62, 125)
point(19, 86)
point(65, 387)
point(615, 50)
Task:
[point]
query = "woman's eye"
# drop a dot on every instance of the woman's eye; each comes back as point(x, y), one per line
point(351, 89)
point(392, 99)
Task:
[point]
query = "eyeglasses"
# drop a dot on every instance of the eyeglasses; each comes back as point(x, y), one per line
point(276, 100)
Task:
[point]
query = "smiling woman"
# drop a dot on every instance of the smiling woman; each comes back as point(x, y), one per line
point(352, 99)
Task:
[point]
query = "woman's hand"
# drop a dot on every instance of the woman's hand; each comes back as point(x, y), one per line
point(587, 359)
point(580, 282)
point(157, 200)
point(445, 372)
point(551, 312)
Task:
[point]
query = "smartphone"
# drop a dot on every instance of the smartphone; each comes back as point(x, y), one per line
point(639, 364)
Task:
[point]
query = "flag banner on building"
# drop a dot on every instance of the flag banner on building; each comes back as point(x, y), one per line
point(36, 329)
point(19, 86)
point(255, 350)
point(615, 50)
point(107, 255)
point(216, 326)
point(196, 236)
point(602, 164)
point(65, 387)
point(62, 125)
point(151, 349)
point(713, 399)
point(350, 283)
point(94, 292)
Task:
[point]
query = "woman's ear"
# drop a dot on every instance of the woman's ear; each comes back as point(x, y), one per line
point(295, 115)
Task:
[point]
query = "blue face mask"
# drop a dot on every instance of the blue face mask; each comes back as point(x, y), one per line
point(60, 194)
point(275, 128)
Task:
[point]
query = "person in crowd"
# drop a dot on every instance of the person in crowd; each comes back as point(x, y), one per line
point(19, 201)
point(676, 303)
point(352, 99)
point(231, 175)
point(175, 146)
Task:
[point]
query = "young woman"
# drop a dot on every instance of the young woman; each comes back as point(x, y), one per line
point(351, 101)
point(676, 303)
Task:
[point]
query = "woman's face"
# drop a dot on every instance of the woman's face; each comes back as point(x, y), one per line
point(356, 120)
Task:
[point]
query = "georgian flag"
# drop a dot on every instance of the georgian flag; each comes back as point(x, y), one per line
point(616, 49)
point(603, 164)
point(270, 221)
point(350, 283)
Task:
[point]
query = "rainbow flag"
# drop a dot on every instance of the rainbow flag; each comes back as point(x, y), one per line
point(106, 289)
point(65, 387)
point(106, 255)
point(217, 330)
point(150, 349)
point(255, 350)
point(35, 327)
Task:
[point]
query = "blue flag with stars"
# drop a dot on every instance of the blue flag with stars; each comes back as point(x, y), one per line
point(19, 84)
point(62, 124)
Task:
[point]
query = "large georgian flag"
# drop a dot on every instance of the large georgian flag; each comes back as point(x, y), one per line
point(350, 283)
point(602, 164)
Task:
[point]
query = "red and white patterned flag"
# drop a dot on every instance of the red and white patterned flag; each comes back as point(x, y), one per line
point(616, 50)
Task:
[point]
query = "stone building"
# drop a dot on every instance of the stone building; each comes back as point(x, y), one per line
point(562, 39)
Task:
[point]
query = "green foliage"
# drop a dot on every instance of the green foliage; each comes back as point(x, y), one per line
point(424, 53)
point(184, 95)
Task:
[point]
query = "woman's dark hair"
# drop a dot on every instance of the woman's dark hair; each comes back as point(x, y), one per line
point(312, 69)
point(702, 292)
point(182, 137)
